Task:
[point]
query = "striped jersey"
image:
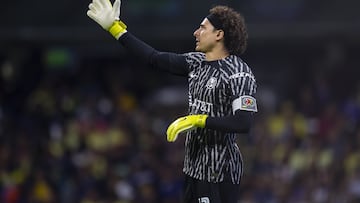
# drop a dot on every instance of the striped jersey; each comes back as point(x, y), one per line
point(213, 86)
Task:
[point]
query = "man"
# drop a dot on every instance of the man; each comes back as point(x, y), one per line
point(221, 102)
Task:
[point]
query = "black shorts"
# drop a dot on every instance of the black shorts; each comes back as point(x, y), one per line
point(197, 191)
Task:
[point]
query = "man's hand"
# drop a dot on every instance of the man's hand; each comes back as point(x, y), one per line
point(184, 124)
point(107, 16)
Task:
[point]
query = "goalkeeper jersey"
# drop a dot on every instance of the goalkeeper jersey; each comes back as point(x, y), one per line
point(213, 86)
point(216, 88)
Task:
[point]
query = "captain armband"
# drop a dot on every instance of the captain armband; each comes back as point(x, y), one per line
point(244, 103)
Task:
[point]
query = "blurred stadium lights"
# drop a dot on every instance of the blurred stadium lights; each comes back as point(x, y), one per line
point(175, 20)
point(266, 31)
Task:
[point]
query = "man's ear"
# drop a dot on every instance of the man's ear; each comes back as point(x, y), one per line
point(219, 34)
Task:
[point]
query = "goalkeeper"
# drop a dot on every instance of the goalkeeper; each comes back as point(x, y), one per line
point(221, 97)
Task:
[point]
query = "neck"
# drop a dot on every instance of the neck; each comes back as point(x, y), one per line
point(216, 54)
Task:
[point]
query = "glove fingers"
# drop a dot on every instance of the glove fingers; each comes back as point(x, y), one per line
point(116, 9)
point(178, 126)
point(92, 15)
point(170, 135)
point(172, 126)
point(171, 138)
point(93, 8)
point(176, 131)
point(98, 4)
point(105, 3)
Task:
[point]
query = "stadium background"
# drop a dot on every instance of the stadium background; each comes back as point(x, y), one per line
point(81, 121)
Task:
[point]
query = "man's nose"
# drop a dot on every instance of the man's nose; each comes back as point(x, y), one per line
point(195, 32)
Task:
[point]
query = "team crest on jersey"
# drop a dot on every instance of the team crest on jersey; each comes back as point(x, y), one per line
point(211, 83)
point(248, 103)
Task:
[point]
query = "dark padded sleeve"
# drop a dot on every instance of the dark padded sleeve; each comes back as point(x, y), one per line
point(239, 123)
point(165, 61)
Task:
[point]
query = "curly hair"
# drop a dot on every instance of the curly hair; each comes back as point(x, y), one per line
point(233, 25)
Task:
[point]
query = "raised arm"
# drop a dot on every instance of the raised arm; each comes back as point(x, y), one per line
point(108, 17)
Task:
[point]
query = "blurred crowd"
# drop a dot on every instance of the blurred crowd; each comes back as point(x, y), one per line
point(94, 135)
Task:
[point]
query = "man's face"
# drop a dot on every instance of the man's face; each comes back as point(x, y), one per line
point(206, 36)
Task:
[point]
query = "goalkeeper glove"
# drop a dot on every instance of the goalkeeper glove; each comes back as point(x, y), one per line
point(184, 124)
point(107, 16)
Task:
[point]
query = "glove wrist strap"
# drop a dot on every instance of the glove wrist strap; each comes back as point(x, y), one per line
point(117, 29)
point(202, 121)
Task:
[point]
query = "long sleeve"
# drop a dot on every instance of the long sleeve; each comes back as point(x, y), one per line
point(165, 61)
point(240, 122)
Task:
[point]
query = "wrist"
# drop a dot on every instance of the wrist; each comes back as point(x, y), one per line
point(117, 29)
point(201, 120)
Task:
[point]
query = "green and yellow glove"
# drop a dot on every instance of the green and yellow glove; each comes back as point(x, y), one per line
point(107, 16)
point(184, 124)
